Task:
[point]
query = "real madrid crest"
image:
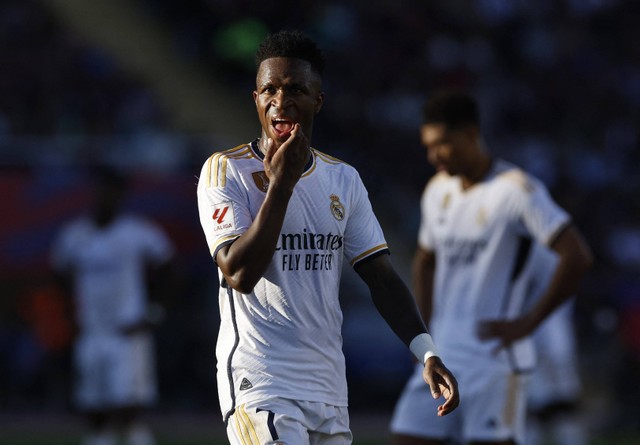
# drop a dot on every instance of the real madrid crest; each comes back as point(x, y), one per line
point(337, 209)
point(261, 180)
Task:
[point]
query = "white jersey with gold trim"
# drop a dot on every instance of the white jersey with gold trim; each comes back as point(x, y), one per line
point(481, 238)
point(284, 338)
point(108, 264)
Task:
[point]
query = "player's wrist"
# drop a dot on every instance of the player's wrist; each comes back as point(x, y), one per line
point(423, 347)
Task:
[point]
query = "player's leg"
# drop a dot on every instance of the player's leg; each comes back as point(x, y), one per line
point(133, 386)
point(101, 431)
point(415, 422)
point(89, 396)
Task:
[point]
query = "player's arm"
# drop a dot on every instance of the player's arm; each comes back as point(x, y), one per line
point(423, 269)
point(575, 258)
point(396, 305)
point(244, 261)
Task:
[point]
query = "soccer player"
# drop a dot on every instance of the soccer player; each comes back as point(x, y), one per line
point(480, 217)
point(279, 217)
point(103, 258)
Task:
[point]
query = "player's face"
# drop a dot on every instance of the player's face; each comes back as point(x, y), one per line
point(448, 149)
point(287, 92)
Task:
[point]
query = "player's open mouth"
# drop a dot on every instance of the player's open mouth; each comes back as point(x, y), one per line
point(281, 126)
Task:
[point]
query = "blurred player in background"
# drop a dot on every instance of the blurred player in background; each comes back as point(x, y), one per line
point(279, 218)
point(481, 217)
point(104, 258)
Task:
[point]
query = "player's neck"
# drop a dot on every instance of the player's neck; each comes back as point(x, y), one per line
point(477, 172)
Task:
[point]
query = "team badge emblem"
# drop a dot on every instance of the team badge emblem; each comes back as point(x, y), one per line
point(337, 209)
point(261, 180)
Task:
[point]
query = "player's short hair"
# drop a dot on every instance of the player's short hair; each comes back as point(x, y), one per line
point(292, 44)
point(455, 109)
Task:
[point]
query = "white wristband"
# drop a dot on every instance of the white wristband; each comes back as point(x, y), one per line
point(423, 347)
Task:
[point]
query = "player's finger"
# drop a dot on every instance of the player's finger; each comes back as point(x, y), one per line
point(452, 401)
point(270, 150)
point(429, 378)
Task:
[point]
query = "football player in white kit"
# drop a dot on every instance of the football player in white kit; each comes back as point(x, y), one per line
point(279, 218)
point(103, 258)
point(479, 217)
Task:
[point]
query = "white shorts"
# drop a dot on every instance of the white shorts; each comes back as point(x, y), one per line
point(280, 421)
point(114, 371)
point(492, 408)
point(557, 378)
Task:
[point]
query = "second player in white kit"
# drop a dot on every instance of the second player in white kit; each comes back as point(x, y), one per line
point(480, 218)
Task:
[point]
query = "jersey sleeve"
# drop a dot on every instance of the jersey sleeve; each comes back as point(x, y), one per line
point(222, 206)
point(363, 236)
point(543, 219)
point(62, 251)
point(158, 247)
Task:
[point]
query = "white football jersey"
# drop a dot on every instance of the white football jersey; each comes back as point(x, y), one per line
point(108, 266)
point(284, 338)
point(482, 239)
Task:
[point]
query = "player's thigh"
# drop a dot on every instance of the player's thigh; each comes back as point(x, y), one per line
point(89, 372)
point(495, 408)
point(288, 422)
point(415, 419)
point(132, 378)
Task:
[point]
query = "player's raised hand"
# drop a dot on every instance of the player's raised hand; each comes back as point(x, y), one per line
point(442, 383)
point(284, 163)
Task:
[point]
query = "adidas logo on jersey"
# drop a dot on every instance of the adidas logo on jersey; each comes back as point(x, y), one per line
point(491, 423)
point(245, 384)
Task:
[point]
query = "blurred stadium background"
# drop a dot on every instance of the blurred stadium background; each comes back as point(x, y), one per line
point(156, 86)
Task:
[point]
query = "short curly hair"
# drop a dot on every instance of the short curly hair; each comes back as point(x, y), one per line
point(455, 109)
point(294, 44)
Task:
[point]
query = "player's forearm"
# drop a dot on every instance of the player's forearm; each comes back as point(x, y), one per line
point(392, 298)
point(423, 271)
point(396, 305)
point(244, 262)
point(575, 259)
